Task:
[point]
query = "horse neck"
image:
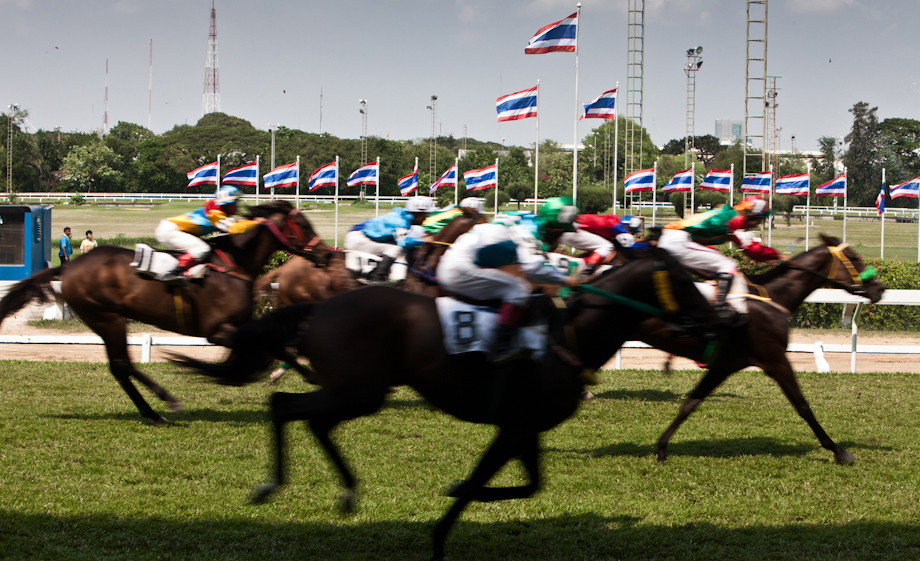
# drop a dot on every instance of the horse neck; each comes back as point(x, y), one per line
point(254, 254)
point(791, 289)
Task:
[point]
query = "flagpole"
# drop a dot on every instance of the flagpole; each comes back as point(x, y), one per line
point(416, 176)
point(654, 193)
point(257, 180)
point(770, 218)
point(377, 182)
point(808, 207)
point(457, 182)
point(692, 186)
point(844, 204)
point(731, 195)
point(297, 188)
point(536, 162)
point(335, 202)
point(881, 214)
point(616, 152)
point(496, 186)
point(217, 179)
point(575, 146)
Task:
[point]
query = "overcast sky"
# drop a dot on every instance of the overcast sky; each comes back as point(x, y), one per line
point(275, 57)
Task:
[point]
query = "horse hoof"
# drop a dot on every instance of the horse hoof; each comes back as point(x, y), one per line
point(276, 376)
point(844, 458)
point(453, 489)
point(662, 457)
point(587, 395)
point(347, 502)
point(261, 493)
point(160, 420)
point(176, 407)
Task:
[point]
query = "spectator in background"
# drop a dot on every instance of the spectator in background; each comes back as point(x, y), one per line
point(65, 250)
point(88, 244)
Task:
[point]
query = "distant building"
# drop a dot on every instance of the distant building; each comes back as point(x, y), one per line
point(728, 131)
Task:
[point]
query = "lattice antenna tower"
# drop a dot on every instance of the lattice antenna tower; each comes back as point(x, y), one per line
point(770, 106)
point(433, 143)
point(635, 74)
point(105, 102)
point(210, 101)
point(755, 87)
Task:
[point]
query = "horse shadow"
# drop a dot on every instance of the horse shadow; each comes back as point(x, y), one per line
point(718, 448)
point(652, 395)
point(183, 418)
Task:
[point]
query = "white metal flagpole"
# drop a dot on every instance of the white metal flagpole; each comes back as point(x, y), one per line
point(457, 182)
point(297, 187)
point(496, 186)
point(654, 193)
point(416, 178)
point(336, 202)
point(257, 180)
point(770, 218)
point(577, 112)
point(616, 148)
point(536, 161)
point(692, 186)
point(731, 195)
point(377, 182)
point(844, 205)
point(881, 215)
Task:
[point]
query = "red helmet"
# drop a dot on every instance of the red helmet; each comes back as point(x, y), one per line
point(754, 207)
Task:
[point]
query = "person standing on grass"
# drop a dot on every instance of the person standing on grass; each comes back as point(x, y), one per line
point(65, 250)
point(88, 244)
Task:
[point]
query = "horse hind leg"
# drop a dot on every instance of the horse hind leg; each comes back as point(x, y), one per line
point(710, 382)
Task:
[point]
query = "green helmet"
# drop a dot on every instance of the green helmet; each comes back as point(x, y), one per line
point(558, 213)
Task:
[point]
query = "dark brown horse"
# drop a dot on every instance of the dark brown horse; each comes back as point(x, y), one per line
point(105, 291)
point(301, 280)
point(763, 340)
point(396, 338)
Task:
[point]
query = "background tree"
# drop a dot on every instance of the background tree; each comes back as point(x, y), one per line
point(93, 168)
point(861, 159)
point(824, 167)
point(899, 152)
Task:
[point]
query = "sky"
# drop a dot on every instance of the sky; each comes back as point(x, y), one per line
point(305, 64)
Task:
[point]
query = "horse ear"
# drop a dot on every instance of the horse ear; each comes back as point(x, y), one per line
point(829, 240)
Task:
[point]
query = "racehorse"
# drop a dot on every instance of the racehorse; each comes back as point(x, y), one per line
point(300, 280)
point(105, 291)
point(763, 340)
point(396, 338)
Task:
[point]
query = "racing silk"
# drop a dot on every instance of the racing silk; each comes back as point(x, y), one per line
point(720, 225)
point(393, 228)
point(210, 218)
point(494, 244)
point(436, 222)
point(600, 224)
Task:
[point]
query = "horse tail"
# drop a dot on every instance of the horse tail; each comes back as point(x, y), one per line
point(253, 347)
point(26, 290)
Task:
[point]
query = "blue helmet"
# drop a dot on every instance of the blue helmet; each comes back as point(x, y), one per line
point(227, 195)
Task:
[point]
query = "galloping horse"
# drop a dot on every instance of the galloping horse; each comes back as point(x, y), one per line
point(763, 340)
point(422, 277)
point(300, 280)
point(396, 338)
point(105, 291)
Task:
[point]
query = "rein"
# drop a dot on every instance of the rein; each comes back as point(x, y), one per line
point(840, 258)
point(296, 231)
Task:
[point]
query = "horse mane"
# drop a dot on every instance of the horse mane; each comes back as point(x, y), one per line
point(268, 209)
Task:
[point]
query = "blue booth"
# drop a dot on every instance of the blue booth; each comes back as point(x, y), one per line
point(25, 240)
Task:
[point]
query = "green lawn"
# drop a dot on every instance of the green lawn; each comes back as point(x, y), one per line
point(84, 478)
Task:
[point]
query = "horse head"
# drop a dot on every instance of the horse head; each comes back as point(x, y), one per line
point(841, 267)
point(292, 230)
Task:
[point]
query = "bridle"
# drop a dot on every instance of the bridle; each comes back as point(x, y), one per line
point(293, 230)
point(857, 287)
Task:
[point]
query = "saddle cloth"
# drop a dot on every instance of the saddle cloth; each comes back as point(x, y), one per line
point(709, 293)
point(565, 262)
point(361, 264)
point(153, 263)
point(470, 328)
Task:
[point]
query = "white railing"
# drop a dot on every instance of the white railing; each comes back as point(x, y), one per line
point(187, 197)
point(859, 211)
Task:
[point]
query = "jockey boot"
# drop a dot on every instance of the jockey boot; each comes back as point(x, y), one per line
point(186, 262)
point(381, 273)
point(503, 349)
point(727, 315)
point(592, 262)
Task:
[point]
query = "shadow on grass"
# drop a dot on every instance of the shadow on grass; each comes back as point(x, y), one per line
point(259, 415)
point(721, 448)
point(568, 536)
point(662, 396)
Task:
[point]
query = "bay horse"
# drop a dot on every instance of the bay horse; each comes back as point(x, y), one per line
point(762, 341)
point(395, 338)
point(301, 280)
point(105, 291)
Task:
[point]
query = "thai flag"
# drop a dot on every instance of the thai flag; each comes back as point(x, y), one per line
point(793, 184)
point(449, 179)
point(519, 105)
point(641, 180)
point(205, 175)
point(757, 183)
point(482, 178)
point(682, 181)
point(324, 176)
point(836, 187)
point(243, 175)
point(281, 176)
point(880, 201)
point(364, 175)
point(558, 37)
point(408, 183)
point(602, 107)
point(718, 180)
point(909, 189)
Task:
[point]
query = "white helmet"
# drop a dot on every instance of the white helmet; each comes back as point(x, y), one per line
point(474, 203)
point(420, 204)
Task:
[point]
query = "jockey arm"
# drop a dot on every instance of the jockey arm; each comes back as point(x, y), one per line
point(749, 244)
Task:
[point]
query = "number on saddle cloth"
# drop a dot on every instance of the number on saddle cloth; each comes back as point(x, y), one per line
point(470, 328)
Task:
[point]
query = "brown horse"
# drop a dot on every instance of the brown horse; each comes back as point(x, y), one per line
point(763, 340)
point(300, 280)
point(396, 338)
point(422, 277)
point(105, 291)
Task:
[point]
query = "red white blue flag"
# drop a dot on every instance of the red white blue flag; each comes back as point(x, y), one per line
point(324, 176)
point(682, 181)
point(519, 105)
point(642, 180)
point(757, 183)
point(880, 201)
point(408, 183)
point(364, 175)
point(558, 37)
point(718, 180)
point(281, 176)
point(603, 106)
point(793, 184)
point(909, 189)
point(482, 178)
point(836, 187)
point(448, 179)
point(205, 175)
point(244, 175)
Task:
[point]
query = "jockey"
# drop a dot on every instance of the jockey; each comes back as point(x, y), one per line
point(687, 241)
point(436, 221)
point(390, 235)
point(182, 233)
point(592, 234)
point(627, 232)
point(477, 266)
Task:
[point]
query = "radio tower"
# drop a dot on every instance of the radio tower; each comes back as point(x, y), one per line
point(210, 101)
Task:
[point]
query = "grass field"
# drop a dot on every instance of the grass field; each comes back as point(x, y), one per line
point(84, 478)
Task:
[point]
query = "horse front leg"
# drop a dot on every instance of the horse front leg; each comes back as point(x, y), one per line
point(710, 382)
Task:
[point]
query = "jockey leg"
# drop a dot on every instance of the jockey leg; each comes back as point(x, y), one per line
point(195, 249)
point(509, 319)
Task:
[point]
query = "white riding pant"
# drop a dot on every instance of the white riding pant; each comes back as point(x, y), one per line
point(169, 234)
point(695, 256)
point(356, 240)
point(467, 279)
point(587, 241)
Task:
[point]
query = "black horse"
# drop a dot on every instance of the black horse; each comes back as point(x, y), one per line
point(364, 341)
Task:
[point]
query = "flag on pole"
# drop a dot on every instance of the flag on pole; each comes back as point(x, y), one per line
point(408, 183)
point(448, 179)
point(205, 175)
point(910, 189)
point(880, 201)
point(247, 175)
point(836, 187)
point(718, 180)
point(557, 37)
point(482, 178)
point(281, 176)
point(793, 184)
point(519, 105)
point(603, 106)
point(324, 176)
point(364, 175)
point(640, 180)
point(681, 181)
point(757, 183)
